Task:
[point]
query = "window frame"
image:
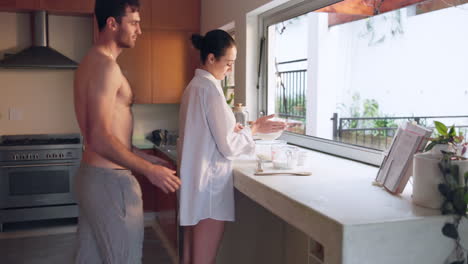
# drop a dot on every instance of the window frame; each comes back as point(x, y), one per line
point(348, 151)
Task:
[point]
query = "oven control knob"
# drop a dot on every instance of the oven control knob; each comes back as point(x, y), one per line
point(16, 157)
point(36, 156)
point(23, 157)
point(62, 155)
point(48, 155)
point(55, 156)
point(29, 156)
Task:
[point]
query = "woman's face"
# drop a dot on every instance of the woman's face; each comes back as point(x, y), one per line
point(221, 66)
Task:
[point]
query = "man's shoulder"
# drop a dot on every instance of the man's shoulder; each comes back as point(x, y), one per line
point(99, 63)
point(105, 64)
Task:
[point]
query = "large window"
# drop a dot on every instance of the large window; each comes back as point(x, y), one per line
point(351, 72)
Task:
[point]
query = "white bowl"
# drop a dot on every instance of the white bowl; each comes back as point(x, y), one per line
point(269, 136)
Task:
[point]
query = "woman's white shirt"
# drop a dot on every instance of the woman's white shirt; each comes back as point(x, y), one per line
point(207, 146)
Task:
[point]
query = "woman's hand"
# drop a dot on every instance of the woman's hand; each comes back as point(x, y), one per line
point(264, 125)
point(238, 127)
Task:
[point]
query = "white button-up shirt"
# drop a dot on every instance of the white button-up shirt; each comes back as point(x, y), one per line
point(207, 146)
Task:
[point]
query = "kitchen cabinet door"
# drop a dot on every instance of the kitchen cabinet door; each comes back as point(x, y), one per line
point(176, 14)
point(174, 62)
point(145, 14)
point(19, 5)
point(7, 4)
point(68, 7)
point(167, 211)
point(135, 64)
point(148, 190)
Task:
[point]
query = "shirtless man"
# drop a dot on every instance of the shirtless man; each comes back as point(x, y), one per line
point(111, 215)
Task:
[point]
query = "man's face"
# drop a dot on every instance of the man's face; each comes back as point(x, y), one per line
point(129, 29)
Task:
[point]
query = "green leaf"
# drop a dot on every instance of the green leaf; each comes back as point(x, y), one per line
point(449, 230)
point(454, 169)
point(452, 132)
point(459, 201)
point(443, 189)
point(446, 208)
point(431, 145)
point(466, 198)
point(441, 128)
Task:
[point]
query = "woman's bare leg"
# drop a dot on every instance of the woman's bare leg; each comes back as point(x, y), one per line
point(188, 242)
point(206, 238)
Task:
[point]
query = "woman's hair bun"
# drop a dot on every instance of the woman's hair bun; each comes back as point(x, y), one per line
point(197, 41)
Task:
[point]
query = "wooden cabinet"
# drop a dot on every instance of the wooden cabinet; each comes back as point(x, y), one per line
point(68, 7)
point(176, 14)
point(136, 66)
point(19, 5)
point(160, 68)
point(174, 62)
point(148, 190)
point(145, 14)
point(167, 212)
point(54, 6)
point(164, 204)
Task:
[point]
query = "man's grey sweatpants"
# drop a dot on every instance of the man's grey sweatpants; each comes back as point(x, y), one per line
point(110, 224)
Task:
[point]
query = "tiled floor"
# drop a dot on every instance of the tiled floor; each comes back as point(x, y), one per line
point(56, 245)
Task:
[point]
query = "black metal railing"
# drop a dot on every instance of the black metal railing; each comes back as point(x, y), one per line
point(377, 132)
point(291, 92)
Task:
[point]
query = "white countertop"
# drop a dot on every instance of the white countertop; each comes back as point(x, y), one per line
point(341, 190)
point(356, 221)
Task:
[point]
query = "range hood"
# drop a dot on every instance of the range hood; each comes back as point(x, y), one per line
point(39, 55)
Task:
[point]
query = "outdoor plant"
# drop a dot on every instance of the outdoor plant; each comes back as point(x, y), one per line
point(370, 108)
point(455, 192)
point(448, 136)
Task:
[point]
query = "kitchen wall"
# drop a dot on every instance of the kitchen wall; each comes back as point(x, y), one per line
point(41, 99)
point(149, 117)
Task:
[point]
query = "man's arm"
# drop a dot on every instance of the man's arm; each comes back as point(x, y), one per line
point(101, 103)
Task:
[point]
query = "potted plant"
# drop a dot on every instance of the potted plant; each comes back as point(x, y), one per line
point(455, 199)
point(426, 174)
point(446, 139)
point(440, 181)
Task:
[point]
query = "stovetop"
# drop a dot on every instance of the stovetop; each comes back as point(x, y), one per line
point(40, 148)
point(40, 139)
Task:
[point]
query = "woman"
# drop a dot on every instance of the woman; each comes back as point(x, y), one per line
point(209, 140)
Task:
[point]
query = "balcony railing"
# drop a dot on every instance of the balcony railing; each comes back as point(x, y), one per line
point(291, 91)
point(377, 132)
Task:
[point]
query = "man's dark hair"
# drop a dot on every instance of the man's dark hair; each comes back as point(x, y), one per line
point(113, 8)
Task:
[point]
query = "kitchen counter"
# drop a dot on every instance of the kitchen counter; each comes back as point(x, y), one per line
point(355, 221)
point(142, 143)
point(169, 150)
point(338, 207)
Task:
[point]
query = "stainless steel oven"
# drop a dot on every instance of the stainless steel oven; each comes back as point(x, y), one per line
point(36, 185)
point(37, 175)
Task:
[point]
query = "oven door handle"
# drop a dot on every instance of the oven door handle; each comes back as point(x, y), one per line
point(39, 165)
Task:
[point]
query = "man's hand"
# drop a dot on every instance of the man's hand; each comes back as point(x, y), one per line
point(164, 178)
point(264, 125)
